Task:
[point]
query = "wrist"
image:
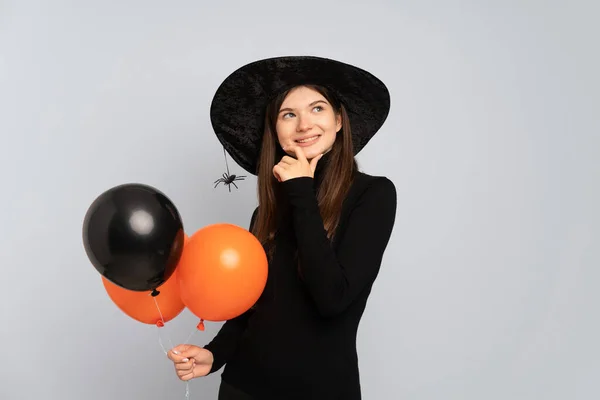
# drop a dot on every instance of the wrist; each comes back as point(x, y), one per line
point(301, 192)
point(298, 182)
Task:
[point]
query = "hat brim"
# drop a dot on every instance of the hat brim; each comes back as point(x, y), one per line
point(238, 108)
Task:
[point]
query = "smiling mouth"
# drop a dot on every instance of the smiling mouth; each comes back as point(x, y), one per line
point(308, 140)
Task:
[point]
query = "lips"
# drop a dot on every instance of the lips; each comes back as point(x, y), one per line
point(308, 139)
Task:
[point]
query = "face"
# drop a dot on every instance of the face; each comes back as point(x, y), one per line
point(307, 120)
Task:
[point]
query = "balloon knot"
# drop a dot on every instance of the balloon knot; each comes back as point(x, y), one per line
point(154, 293)
point(200, 325)
point(160, 324)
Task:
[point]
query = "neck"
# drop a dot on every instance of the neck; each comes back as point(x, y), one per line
point(322, 167)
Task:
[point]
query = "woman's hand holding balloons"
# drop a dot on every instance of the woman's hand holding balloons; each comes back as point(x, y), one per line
point(191, 361)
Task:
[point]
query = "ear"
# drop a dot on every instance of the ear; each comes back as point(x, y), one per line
point(338, 122)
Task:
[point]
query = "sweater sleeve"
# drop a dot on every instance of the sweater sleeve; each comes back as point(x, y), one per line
point(224, 344)
point(335, 278)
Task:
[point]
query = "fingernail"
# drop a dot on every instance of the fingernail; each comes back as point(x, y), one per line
point(175, 352)
point(185, 360)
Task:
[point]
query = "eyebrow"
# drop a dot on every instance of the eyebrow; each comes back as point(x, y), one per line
point(314, 103)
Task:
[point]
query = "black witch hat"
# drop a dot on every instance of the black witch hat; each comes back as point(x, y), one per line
point(238, 108)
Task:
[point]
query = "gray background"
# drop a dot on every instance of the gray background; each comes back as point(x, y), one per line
point(489, 289)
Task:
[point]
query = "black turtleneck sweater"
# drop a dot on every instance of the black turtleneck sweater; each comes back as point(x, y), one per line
point(299, 342)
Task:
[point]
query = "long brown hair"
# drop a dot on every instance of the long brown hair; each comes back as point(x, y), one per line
point(336, 180)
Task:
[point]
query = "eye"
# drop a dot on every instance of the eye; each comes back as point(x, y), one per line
point(287, 115)
point(318, 108)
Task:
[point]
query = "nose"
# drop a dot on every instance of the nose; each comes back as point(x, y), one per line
point(304, 123)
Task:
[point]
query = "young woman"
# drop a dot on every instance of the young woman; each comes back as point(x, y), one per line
point(297, 123)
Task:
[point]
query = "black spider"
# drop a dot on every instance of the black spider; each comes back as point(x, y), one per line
point(228, 179)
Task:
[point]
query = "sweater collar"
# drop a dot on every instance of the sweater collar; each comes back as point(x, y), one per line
point(321, 168)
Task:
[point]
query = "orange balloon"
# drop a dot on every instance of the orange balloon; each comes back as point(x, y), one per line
point(222, 272)
point(141, 306)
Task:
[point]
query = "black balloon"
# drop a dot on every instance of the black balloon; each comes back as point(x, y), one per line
point(133, 235)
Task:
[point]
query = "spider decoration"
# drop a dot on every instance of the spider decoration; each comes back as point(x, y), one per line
point(227, 178)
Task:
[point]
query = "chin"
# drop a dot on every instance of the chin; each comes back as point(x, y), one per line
point(312, 153)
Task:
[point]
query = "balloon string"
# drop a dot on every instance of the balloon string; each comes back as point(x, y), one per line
point(190, 336)
point(160, 342)
point(187, 384)
point(162, 320)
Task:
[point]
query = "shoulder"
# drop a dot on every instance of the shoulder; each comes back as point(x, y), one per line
point(371, 204)
point(374, 195)
point(377, 187)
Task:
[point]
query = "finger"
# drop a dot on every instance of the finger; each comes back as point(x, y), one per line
point(288, 160)
point(184, 366)
point(180, 348)
point(277, 171)
point(284, 166)
point(314, 161)
point(300, 156)
point(186, 376)
point(186, 350)
point(177, 358)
